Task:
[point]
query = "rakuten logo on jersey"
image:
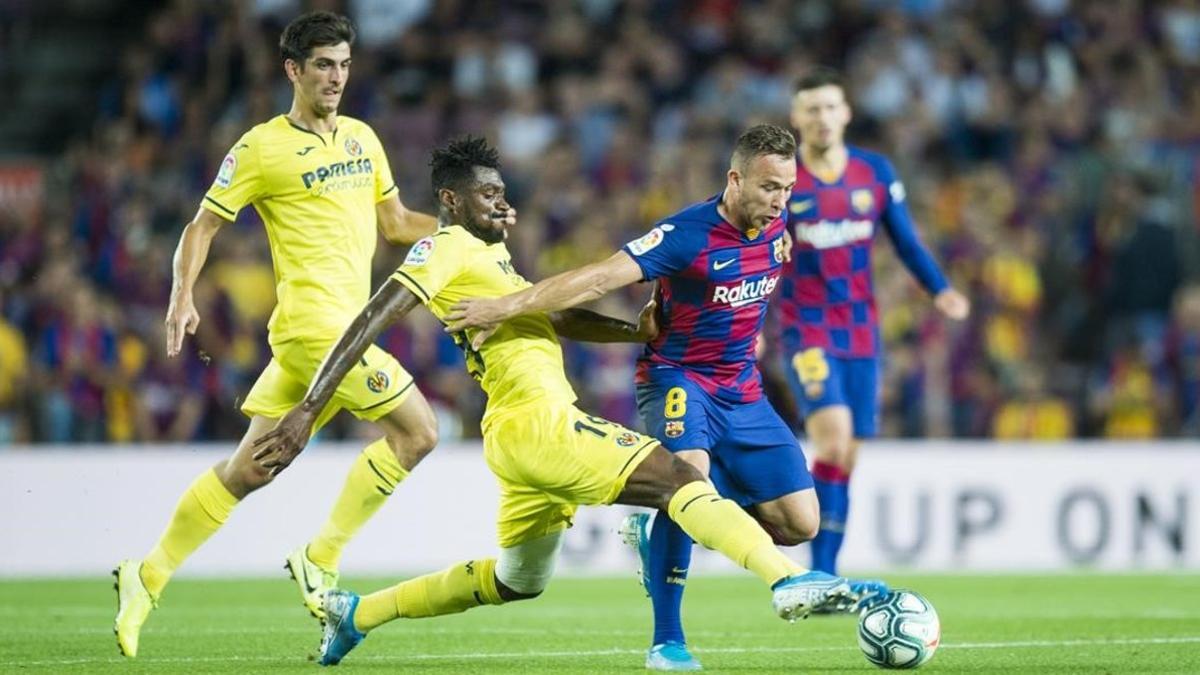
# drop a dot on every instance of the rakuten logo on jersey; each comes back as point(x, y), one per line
point(748, 291)
point(834, 233)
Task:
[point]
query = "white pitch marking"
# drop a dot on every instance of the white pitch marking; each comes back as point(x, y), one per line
point(1186, 639)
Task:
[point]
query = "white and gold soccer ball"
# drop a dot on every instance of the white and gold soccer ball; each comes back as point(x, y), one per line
point(902, 631)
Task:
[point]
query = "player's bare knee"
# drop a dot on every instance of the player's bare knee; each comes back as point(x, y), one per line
point(683, 472)
point(413, 443)
point(254, 477)
point(242, 478)
point(425, 438)
point(796, 532)
point(676, 474)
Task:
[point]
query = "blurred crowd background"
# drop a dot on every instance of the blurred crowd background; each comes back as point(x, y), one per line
point(1051, 151)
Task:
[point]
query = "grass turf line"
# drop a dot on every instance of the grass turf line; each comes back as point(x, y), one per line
point(1061, 623)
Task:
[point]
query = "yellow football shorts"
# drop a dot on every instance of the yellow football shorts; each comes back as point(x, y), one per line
point(375, 386)
point(550, 459)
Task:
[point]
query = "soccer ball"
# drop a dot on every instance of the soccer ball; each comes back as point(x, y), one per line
point(901, 631)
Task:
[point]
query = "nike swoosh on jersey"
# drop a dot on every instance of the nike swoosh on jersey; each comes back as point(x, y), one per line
point(722, 264)
point(306, 150)
point(801, 206)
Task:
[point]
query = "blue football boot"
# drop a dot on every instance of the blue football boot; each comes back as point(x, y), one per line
point(797, 596)
point(635, 532)
point(671, 656)
point(869, 592)
point(340, 635)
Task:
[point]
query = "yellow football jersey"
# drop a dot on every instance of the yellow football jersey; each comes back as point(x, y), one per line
point(521, 363)
point(316, 194)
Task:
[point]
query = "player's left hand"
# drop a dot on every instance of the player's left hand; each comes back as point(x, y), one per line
point(952, 304)
point(647, 325)
point(276, 449)
point(787, 245)
point(482, 314)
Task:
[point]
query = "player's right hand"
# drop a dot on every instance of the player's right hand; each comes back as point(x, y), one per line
point(953, 304)
point(182, 319)
point(276, 449)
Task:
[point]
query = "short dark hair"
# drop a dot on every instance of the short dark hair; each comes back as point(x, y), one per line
point(819, 77)
point(453, 165)
point(314, 29)
point(763, 139)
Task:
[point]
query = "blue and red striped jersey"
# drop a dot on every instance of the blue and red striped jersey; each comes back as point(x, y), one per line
point(827, 297)
point(714, 283)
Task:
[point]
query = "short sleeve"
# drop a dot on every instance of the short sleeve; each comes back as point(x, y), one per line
point(663, 251)
point(239, 180)
point(430, 266)
point(385, 183)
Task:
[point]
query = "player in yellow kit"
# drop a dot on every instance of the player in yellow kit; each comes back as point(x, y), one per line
point(548, 456)
point(322, 186)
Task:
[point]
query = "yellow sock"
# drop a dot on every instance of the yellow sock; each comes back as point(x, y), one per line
point(374, 476)
point(450, 591)
point(722, 526)
point(202, 509)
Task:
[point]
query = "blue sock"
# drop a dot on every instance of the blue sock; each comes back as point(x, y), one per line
point(670, 556)
point(833, 493)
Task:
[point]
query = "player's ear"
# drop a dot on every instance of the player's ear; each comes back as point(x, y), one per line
point(292, 69)
point(447, 198)
point(734, 178)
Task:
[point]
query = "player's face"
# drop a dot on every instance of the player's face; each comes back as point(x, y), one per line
point(820, 115)
point(323, 78)
point(482, 208)
point(762, 191)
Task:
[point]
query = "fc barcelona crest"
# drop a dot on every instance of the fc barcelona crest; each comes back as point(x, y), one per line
point(674, 429)
point(778, 251)
point(862, 200)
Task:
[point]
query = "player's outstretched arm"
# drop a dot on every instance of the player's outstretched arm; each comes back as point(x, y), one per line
point(559, 292)
point(920, 263)
point(584, 325)
point(399, 225)
point(190, 256)
point(278, 447)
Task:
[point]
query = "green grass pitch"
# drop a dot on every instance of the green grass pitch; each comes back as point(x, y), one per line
point(1086, 623)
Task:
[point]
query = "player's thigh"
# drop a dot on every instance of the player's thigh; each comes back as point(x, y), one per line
point(677, 412)
point(512, 446)
point(815, 380)
point(527, 514)
point(374, 387)
point(564, 452)
point(758, 459)
point(277, 390)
